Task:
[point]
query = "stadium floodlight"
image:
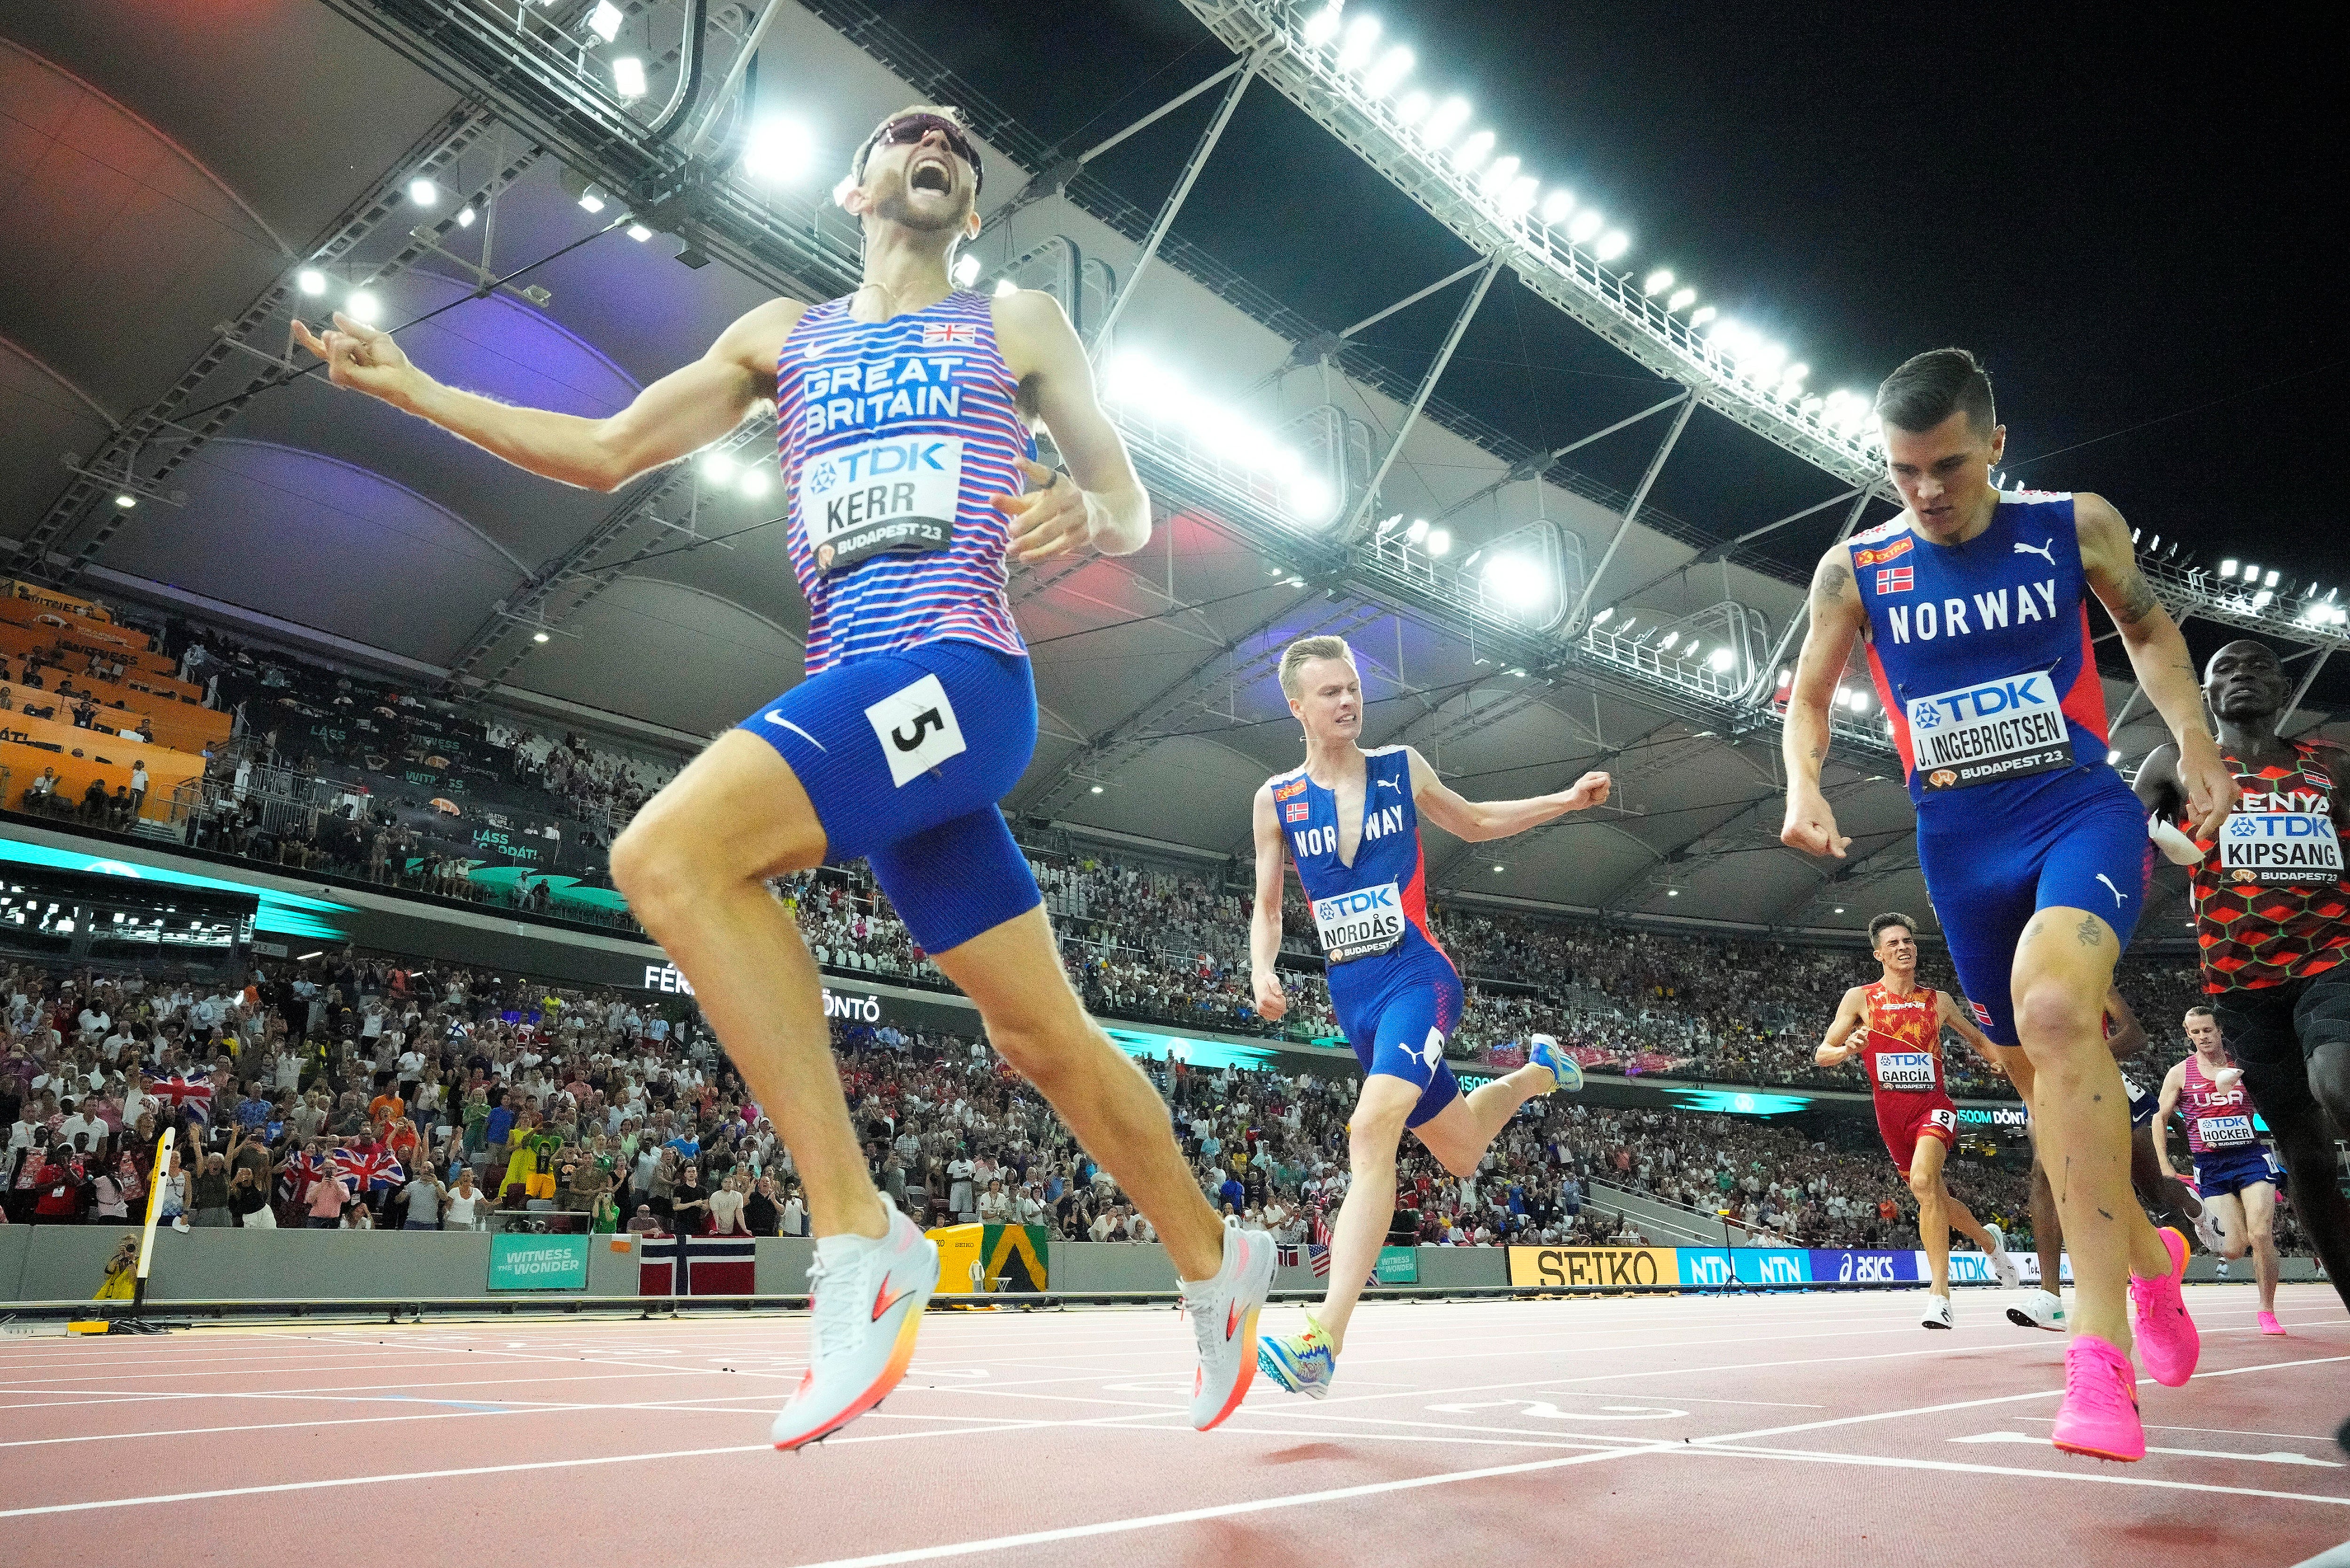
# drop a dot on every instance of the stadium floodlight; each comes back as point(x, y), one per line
point(126, 500)
point(604, 20)
point(1499, 869)
point(1587, 224)
point(2260, 601)
point(1612, 243)
point(1414, 108)
point(466, 214)
point(1839, 908)
point(1385, 76)
point(1096, 789)
point(755, 482)
point(1702, 315)
point(1005, 288)
point(1672, 892)
point(1556, 206)
point(1443, 120)
point(1417, 532)
point(965, 270)
point(1797, 372)
point(1498, 175)
point(1813, 404)
point(778, 148)
point(1362, 37)
point(2270, 581)
point(2113, 756)
point(592, 199)
point(628, 76)
point(1723, 657)
point(1471, 152)
point(1603, 617)
point(1440, 540)
point(363, 306)
point(1519, 199)
point(640, 234)
point(310, 280)
point(424, 193)
point(2228, 568)
point(539, 637)
point(2251, 573)
point(1680, 298)
point(1517, 580)
point(718, 468)
point(1671, 639)
point(1310, 500)
point(1323, 26)
point(1656, 283)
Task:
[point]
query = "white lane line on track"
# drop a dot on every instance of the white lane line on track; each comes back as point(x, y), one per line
point(2100, 1476)
point(2278, 1458)
point(2211, 1431)
point(1977, 1404)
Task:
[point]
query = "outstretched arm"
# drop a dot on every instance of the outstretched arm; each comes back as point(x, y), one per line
point(1264, 909)
point(2160, 656)
point(1836, 619)
point(1477, 821)
point(2173, 1083)
point(1839, 1044)
point(682, 412)
point(2128, 1036)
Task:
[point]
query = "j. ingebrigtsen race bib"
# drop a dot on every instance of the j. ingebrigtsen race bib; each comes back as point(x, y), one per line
point(2004, 729)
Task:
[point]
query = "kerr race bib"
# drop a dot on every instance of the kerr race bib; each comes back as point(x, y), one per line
point(2004, 728)
point(2224, 1132)
point(898, 495)
point(2282, 846)
point(1907, 1070)
point(1360, 924)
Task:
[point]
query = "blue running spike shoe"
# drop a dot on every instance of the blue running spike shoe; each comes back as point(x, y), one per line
point(1303, 1364)
point(1548, 1053)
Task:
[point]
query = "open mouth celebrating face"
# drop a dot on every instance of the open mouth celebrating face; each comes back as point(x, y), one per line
point(930, 174)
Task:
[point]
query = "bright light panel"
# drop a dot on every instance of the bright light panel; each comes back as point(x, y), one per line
point(1587, 224)
point(1448, 117)
point(1394, 66)
point(718, 468)
point(310, 280)
point(1656, 283)
point(424, 193)
point(1722, 660)
point(1474, 151)
point(628, 76)
point(1362, 38)
point(966, 270)
point(778, 149)
point(604, 20)
point(1612, 243)
point(1681, 297)
point(755, 483)
point(1498, 177)
point(592, 199)
point(1005, 288)
point(640, 234)
point(1414, 107)
point(1440, 540)
point(363, 306)
point(1323, 26)
point(465, 215)
point(1556, 206)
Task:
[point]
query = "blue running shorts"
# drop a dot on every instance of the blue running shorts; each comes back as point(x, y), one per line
point(1396, 1019)
point(904, 756)
point(2075, 847)
point(2218, 1175)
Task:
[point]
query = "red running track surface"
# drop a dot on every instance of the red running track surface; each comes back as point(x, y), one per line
point(1715, 1429)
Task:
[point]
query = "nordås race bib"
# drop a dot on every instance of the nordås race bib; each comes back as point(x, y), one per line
point(1911, 1071)
point(2282, 846)
point(2004, 728)
point(1359, 924)
point(900, 493)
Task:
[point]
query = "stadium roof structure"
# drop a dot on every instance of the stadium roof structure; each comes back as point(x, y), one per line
point(549, 225)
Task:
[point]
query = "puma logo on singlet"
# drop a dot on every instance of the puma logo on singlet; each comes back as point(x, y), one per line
point(2046, 552)
point(2120, 896)
point(1389, 783)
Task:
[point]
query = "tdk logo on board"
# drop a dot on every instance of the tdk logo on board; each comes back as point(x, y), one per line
point(877, 462)
point(1368, 902)
point(2022, 693)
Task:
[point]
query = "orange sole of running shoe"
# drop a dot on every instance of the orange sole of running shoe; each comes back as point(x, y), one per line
point(901, 1355)
point(1240, 1385)
point(2088, 1453)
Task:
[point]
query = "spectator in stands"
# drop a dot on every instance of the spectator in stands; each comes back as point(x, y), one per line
point(465, 1204)
point(421, 1200)
point(689, 1204)
point(210, 1194)
point(138, 782)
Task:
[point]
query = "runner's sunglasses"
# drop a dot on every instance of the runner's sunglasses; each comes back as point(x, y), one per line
point(907, 129)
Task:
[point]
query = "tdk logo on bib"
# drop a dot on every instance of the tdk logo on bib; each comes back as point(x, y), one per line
point(2002, 728)
point(1905, 1069)
point(859, 500)
point(2283, 845)
point(1359, 923)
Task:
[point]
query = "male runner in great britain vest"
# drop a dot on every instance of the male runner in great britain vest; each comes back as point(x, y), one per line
point(1350, 819)
point(2272, 919)
point(905, 413)
point(1973, 604)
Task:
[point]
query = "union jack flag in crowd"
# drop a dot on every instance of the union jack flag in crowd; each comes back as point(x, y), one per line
point(189, 1096)
point(366, 1170)
point(294, 1177)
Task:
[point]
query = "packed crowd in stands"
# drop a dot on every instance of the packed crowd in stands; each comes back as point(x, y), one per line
point(352, 1093)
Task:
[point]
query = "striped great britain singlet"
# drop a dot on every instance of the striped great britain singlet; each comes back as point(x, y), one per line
point(893, 435)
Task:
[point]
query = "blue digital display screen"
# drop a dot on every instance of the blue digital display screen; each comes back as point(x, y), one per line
point(1739, 1102)
point(291, 913)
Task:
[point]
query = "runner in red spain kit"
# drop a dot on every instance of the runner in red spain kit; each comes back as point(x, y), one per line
point(1894, 1029)
point(2272, 918)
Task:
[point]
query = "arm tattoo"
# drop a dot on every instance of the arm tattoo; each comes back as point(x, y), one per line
point(2137, 599)
point(1829, 582)
point(2090, 932)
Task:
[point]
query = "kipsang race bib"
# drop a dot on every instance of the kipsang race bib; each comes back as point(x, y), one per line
point(2282, 846)
point(895, 495)
point(2004, 728)
point(1359, 924)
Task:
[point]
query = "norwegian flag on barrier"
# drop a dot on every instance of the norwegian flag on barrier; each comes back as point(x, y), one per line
point(186, 1095)
point(367, 1170)
point(1285, 1254)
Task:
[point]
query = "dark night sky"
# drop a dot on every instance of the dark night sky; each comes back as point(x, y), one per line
point(2123, 212)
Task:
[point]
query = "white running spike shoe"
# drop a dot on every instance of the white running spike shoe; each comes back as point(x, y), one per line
point(2208, 1229)
point(2001, 1265)
point(2042, 1308)
point(1549, 1054)
point(867, 1307)
point(1936, 1314)
point(1223, 1319)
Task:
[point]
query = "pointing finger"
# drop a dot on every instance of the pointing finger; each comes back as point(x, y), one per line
point(1036, 471)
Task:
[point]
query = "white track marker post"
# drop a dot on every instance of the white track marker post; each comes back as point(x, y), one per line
point(154, 1201)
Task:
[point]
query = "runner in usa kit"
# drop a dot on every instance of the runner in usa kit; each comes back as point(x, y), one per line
point(904, 414)
point(1974, 607)
point(1894, 1028)
point(2273, 919)
point(1351, 820)
point(2235, 1169)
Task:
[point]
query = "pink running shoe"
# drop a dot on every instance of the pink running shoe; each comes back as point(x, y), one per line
point(2167, 1341)
point(2099, 1414)
point(2269, 1323)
